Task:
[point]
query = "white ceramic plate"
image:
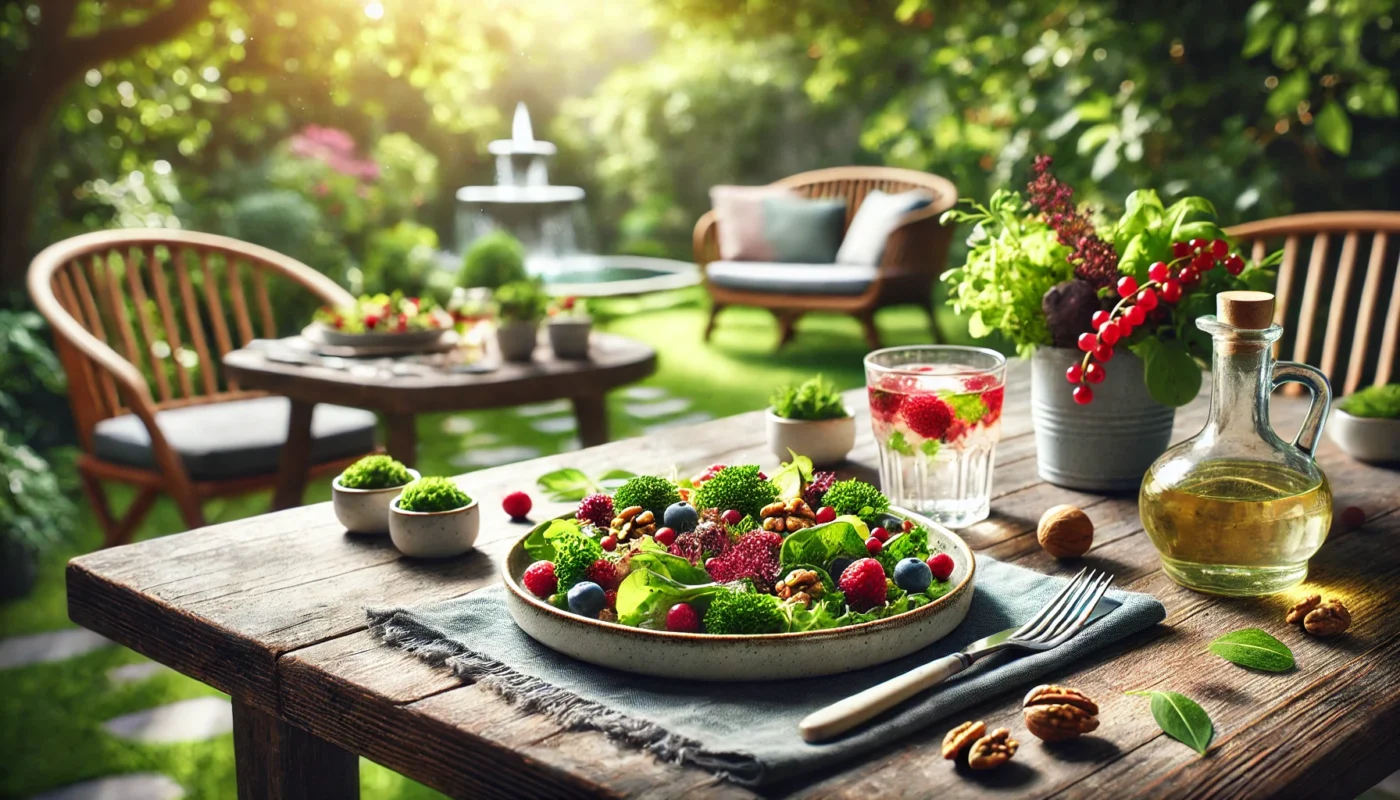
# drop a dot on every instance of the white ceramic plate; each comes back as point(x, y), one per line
point(776, 656)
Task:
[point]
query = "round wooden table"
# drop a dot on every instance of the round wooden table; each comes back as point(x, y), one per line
point(402, 389)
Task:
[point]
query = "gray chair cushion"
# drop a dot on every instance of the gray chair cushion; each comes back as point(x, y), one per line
point(234, 439)
point(764, 276)
point(803, 231)
point(875, 220)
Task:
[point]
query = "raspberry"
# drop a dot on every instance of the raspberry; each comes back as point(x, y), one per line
point(816, 489)
point(603, 573)
point(708, 539)
point(709, 472)
point(864, 584)
point(927, 415)
point(539, 579)
point(993, 398)
point(682, 618)
point(754, 557)
point(884, 405)
point(517, 505)
point(597, 509)
point(941, 565)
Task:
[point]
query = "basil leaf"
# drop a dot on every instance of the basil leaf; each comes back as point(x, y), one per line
point(614, 478)
point(567, 484)
point(1173, 376)
point(1255, 649)
point(1181, 718)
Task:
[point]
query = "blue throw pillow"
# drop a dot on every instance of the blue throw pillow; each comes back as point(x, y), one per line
point(803, 231)
point(875, 220)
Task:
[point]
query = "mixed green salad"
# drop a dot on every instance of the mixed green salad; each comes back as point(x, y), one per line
point(732, 551)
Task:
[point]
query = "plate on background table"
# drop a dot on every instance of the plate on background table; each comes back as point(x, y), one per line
point(773, 656)
point(329, 341)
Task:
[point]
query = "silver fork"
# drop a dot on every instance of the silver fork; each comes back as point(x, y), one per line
point(1061, 618)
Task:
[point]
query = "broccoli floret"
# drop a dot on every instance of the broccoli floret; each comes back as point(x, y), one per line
point(739, 487)
point(744, 613)
point(651, 493)
point(574, 553)
point(375, 472)
point(856, 497)
point(427, 495)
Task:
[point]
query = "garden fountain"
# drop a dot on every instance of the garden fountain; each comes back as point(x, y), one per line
point(543, 217)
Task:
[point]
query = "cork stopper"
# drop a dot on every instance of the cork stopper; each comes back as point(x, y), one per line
point(1252, 311)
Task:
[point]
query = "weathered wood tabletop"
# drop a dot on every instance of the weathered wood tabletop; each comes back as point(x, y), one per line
point(613, 361)
point(271, 611)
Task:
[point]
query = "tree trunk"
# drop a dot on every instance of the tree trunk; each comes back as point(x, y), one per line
point(21, 140)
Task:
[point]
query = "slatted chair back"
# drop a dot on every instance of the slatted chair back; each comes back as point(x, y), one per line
point(142, 318)
point(1336, 314)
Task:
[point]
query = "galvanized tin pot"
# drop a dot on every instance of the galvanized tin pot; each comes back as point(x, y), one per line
point(1105, 446)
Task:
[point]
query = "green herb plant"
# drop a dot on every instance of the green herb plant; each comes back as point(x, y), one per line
point(522, 301)
point(430, 495)
point(812, 400)
point(375, 472)
point(648, 491)
point(856, 498)
point(1181, 718)
point(493, 261)
point(1375, 402)
point(737, 487)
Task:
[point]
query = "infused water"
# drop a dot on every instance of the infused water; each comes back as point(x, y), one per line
point(1236, 527)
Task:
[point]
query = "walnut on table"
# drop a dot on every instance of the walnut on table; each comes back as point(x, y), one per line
point(1056, 713)
point(992, 750)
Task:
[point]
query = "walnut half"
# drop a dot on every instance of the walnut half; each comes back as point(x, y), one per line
point(961, 738)
point(1328, 619)
point(1056, 713)
point(1301, 609)
point(992, 750)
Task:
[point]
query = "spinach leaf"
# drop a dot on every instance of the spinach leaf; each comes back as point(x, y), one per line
point(1253, 648)
point(845, 536)
point(654, 557)
point(1181, 718)
point(645, 596)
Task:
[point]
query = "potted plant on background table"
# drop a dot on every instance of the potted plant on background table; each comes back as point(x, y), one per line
point(1367, 424)
point(433, 518)
point(519, 308)
point(812, 419)
point(1073, 299)
point(569, 329)
point(362, 493)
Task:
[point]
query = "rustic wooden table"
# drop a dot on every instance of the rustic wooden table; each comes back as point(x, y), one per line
point(613, 361)
point(271, 611)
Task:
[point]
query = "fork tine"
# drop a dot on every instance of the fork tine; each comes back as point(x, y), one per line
point(1063, 610)
point(1048, 608)
point(1078, 621)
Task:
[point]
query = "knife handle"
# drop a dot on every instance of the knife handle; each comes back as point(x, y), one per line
point(846, 714)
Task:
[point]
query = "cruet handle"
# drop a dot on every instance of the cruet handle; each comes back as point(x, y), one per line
point(1321, 388)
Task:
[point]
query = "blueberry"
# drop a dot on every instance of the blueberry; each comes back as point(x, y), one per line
point(586, 599)
point(912, 575)
point(838, 566)
point(681, 517)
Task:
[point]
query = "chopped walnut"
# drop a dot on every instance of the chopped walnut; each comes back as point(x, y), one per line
point(633, 522)
point(787, 516)
point(962, 737)
point(992, 750)
point(1299, 611)
point(801, 586)
point(1328, 619)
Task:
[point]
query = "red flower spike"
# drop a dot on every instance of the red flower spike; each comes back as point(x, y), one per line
point(1095, 373)
point(1180, 249)
point(1127, 285)
point(992, 399)
point(1159, 271)
point(1109, 334)
point(1147, 300)
point(755, 556)
point(1136, 316)
point(1203, 262)
point(1074, 374)
point(1088, 341)
point(1234, 265)
point(1083, 395)
point(1198, 245)
point(1171, 291)
point(1220, 248)
point(1099, 318)
point(1103, 353)
point(1190, 277)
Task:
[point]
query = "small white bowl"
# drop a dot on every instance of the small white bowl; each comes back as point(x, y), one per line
point(1365, 438)
point(434, 534)
point(365, 510)
point(825, 441)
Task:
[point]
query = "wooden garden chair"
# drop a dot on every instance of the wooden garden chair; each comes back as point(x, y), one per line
point(915, 254)
point(1358, 341)
point(144, 314)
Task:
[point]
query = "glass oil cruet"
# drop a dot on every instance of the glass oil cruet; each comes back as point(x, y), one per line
point(1236, 510)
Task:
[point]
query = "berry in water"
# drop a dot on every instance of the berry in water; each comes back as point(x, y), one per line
point(941, 565)
point(1088, 341)
point(1083, 395)
point(1127, 285)
point(927, 415)
point(1159, 271)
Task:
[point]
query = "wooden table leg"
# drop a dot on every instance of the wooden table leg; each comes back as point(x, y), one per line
point(591, 411)
point(403, 437)
point(277, 761)
point(296, 457)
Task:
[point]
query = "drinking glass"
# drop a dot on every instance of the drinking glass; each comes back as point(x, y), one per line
point(936, 414)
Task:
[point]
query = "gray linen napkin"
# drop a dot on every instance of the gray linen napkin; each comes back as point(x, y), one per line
point(746, 732)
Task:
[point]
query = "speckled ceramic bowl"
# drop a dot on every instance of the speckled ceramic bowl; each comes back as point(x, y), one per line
point(364, 510)
point(434, 534)
point(698, 656)
point(325, 334)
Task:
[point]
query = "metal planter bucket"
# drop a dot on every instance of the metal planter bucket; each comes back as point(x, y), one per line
point(1107, 445)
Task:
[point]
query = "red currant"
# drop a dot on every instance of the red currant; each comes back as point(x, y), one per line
point(826, 514)
point(1099, 318)
point(1159, 271)
point(1220, 248)
point(732, 516)
point(1136, 316)
point(1109, 334)
point(1074, 374)
point(873, 545)
point(1147, 300)
point(1197, 245)
point(1190, 276)
point(1171, 291)
point(1127, 285)
point(1204, 262)
point(1103, 353)
point(1353, 517)
point(1083, 395)
point(1234, 265)
point(609, 543)
point(683, 618)
point(1125, 328)
point(1180, 249)
point(1095, 373)
point(664, 536)
point(941, 566)
point(880, 533)
point(1088, 341)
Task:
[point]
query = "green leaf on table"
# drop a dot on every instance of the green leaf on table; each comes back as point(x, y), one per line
point(1334, 128)
point(614, 478)
point(1173, 376)
point(571, 485)
point(1253, 648)
point(1181, 718)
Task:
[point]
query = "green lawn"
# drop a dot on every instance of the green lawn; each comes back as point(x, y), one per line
point(51, 734)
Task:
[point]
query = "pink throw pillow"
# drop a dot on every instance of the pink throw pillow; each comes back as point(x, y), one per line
point(739, 217)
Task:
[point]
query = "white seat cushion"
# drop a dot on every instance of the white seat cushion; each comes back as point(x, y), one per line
point(875, 220)
point(785, 278)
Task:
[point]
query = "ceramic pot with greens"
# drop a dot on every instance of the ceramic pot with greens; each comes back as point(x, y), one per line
point(434, 518)
point(812, 419)
point(519, 308)
point(362, 493)
point(1366, 424)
